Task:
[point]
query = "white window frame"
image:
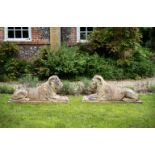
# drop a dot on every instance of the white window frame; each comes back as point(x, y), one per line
point(17, 39)
point(78, 36)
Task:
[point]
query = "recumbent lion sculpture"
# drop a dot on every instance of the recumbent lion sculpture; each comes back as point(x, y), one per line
point(106, 92)
point(45, 92)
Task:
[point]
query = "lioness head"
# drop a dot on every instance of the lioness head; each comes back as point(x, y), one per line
point(96, 82)
point(55, 82)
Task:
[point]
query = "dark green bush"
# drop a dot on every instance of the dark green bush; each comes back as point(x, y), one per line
point(14, 69)
point(148, 37)
point(70, 63)
point(105, 67)
point(139, 66)
point(114, 42)
point(66, 62)
point(7, 52)
point(11, 67)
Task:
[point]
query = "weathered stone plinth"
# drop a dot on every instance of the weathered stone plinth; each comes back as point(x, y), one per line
point(109, 102)
point(36, 102)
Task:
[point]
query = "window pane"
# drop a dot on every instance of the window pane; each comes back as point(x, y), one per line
point(82, 28)
point(25, 34)
point(10, 34)
point(18, 34)
point(83, 36)
point(17, 28)
point(25, 28)
point(10, 28)
point(89, 28)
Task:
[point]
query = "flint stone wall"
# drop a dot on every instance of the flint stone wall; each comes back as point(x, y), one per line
point(40, 38)
point(28, 52)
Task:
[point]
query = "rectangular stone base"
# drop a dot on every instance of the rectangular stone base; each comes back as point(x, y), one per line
point(139, 102)
point(35, 102)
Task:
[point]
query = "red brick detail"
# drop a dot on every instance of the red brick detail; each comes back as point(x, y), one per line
point(73, 37)
point(36, 40)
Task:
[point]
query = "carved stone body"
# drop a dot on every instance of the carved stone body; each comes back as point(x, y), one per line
point(105, 92)
point(45, 92)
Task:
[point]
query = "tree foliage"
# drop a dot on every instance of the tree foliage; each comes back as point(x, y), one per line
point(118, 42)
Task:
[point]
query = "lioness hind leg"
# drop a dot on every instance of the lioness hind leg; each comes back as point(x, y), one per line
point(91, 98)
point(58, 98)
point(133, 96)
point(20, 95)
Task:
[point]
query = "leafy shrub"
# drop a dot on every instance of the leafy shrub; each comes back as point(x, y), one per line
point(140, 69)
point(141, 64)
point(14, 69)
point(71, 88)
point(66, 89)
point(29, 80)
point(71, 63)
point(86, 88)
point(7, 52)
point(151, 88)
point(11, 67)
point(94, 65)
point(4, 89)
point(66, 63)
point(75, 88)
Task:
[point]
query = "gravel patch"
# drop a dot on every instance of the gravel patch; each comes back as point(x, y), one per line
point(137, 85)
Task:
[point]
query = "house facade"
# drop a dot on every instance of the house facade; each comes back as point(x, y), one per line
point(30, 39)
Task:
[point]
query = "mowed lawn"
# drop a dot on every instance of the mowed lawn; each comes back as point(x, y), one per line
point(76, 114)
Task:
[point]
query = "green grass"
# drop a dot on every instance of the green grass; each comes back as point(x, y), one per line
point(76, 114)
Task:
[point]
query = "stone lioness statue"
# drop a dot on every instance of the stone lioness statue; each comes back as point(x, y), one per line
point(45, 92)
point(105, 92)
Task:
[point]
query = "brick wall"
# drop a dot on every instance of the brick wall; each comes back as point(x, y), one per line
point(44, 36)
point(72, 39)
point(73, 36)
point(40, 36)
point(68, 35)
point(30, 49)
